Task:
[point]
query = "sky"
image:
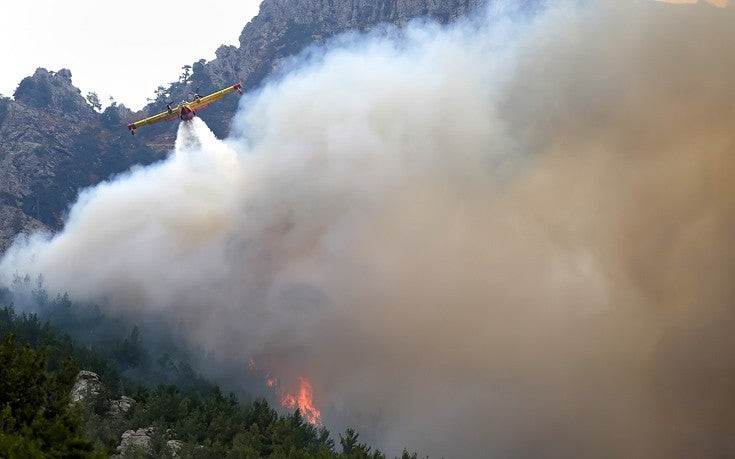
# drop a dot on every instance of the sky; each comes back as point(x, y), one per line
point(114, 48)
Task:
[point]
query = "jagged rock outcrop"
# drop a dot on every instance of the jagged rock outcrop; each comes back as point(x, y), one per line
point(174, 447)
point(53, 143)
point(135, 439)
point(140, 440)
point(120, 406)
point(52, 91)
point(87, 386)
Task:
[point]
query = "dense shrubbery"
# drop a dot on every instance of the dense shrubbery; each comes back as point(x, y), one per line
point(38, 363)
point(36, 418)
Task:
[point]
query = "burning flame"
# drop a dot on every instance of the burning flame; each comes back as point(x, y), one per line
point(303, 399)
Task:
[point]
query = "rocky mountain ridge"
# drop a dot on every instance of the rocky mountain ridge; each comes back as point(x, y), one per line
point(52, 143)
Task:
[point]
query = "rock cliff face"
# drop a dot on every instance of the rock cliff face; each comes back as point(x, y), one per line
point(52, 143)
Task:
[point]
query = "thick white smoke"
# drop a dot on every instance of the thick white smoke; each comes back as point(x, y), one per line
point(507, 237)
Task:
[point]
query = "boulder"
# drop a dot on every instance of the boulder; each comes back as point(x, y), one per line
point(120, 406)
point(136, 439)
point(140, 440)
point(87, 385)
point(174, 446)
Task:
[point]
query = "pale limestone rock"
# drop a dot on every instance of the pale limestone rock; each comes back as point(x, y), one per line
point(136, 439)
point(87, 385)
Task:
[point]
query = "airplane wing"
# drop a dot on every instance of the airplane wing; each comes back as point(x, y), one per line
point(202, 102)
point(197, 104)
point(163, 116)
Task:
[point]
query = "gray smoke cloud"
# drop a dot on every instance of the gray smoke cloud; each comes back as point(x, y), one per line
point(511, 237)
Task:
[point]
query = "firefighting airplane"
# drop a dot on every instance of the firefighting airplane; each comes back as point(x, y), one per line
point(186, 110)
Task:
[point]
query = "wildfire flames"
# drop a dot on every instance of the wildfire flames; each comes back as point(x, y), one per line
point(303, 399)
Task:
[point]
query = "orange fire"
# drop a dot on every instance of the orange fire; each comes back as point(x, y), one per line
point(304, 401)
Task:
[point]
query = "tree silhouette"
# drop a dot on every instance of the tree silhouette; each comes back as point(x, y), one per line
point(185, 74)
point(94, 100)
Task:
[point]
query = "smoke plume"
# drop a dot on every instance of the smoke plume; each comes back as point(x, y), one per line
point(511, 237)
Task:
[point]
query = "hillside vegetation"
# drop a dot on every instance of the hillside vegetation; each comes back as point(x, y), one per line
point(39, 364)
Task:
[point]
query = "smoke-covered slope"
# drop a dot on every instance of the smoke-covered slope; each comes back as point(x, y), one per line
point(53, 144)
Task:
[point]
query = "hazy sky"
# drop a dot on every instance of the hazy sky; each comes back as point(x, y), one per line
point(123, 49)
